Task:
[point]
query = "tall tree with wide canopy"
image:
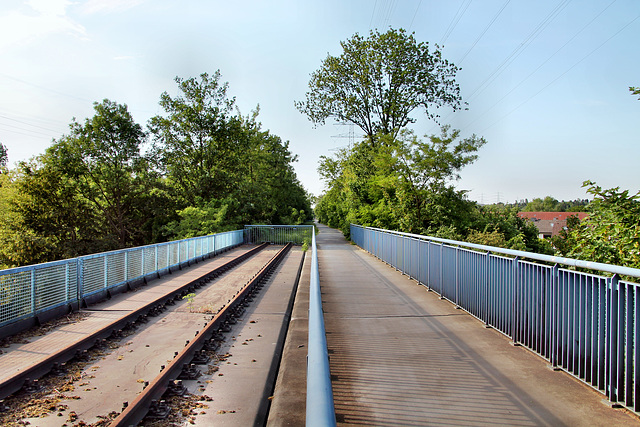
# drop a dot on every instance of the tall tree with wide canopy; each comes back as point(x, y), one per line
point(199, 142)
point(377, 82)
point(102, 157)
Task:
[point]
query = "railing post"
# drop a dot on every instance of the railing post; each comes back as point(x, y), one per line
point(555, 337)
point(612, 338)
point(457, 279)
point(441, 270)
point(428, 266)
point(514, 300)
point(67, 283)
point(486, 287)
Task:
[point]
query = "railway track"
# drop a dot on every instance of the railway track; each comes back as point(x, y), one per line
point(158, 345)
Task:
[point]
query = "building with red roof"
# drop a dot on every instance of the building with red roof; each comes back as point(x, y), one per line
point(550, 223)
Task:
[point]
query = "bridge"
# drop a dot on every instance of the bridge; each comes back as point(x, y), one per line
point(424, 331)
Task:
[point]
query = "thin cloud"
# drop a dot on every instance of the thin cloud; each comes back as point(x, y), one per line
point(109, 6)
point(17, 28)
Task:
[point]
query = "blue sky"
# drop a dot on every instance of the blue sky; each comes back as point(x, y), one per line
point(546, 81)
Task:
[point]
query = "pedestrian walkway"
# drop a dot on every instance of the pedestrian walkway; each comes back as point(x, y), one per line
point(402, 356)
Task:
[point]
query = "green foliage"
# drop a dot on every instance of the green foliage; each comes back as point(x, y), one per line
point(199, 143)
point(549, 204)
point(100, 188)
point(190, 297)
point(402, 183)
point(199, 221)
point(4, 156)
point(611, 233)
point(223, 169)
point(378, 81)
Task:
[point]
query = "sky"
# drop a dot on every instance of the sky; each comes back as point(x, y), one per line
point(546, 82)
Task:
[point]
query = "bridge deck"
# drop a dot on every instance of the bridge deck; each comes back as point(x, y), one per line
point(401, 356)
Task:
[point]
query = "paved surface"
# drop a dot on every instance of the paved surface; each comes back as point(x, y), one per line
point(242, 386)
point(401, 356)
point(288, 407)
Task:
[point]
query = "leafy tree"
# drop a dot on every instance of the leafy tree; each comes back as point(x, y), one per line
point(425, 168)
point(402, 184)
point(221, 164)
point(502, 226)
point(377, 82)
point(550, 204)
point(4, 156)
point(611, 233)
point(102, 157)
point(199, 143)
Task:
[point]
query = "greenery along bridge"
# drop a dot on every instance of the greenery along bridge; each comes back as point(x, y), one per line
point(407, 354)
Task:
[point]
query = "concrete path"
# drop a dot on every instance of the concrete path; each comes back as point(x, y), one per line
point(401, 356)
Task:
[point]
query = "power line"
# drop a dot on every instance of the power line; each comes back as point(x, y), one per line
point(29, 124)
point(518, 50)
point(414, 16)
point(455, 20)
point(45, 88)
point(373, 13)
point(565, 72)
point(542, 64)
point(24, 129)
point(483, 32)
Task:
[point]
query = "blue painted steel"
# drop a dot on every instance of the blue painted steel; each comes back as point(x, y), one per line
point(278, 234)
point(585, 323)
point(320, 408)
point(27, 291)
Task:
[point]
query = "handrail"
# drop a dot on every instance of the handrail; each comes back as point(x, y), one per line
point(598, 266)
point(320, 408)
point(582, 322)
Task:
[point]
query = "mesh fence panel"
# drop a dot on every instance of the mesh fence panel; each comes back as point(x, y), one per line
point(134, 264)
point(93, 275)
point(15, 295)
point(51, 286)
point(116, 268)
point(149, 260)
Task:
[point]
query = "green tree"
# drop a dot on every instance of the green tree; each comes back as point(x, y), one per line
point(548, 204)
point(4, 156)
point(377, 82)
point(198, 144)
point(102, 158)
point(425, 169)
point(611, 233)
point(404, 183)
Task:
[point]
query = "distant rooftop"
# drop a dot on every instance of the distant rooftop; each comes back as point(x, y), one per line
point(550, 223)
point(552, 216)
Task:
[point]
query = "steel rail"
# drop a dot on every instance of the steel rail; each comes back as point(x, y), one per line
point(136, 410)
point(16, 382)
point(597, 266)
point(320, 409)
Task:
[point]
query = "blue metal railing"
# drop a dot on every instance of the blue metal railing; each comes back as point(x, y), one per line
point(584, 323)
point(320, 410)
point(26, 292)
point(278, 234)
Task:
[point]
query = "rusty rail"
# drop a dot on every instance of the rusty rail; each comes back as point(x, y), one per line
point(137, 409)
point(16, 382)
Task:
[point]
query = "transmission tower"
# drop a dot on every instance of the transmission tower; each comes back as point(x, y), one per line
point(350, 134)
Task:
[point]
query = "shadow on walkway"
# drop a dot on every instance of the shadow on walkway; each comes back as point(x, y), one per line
point(401, 356)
